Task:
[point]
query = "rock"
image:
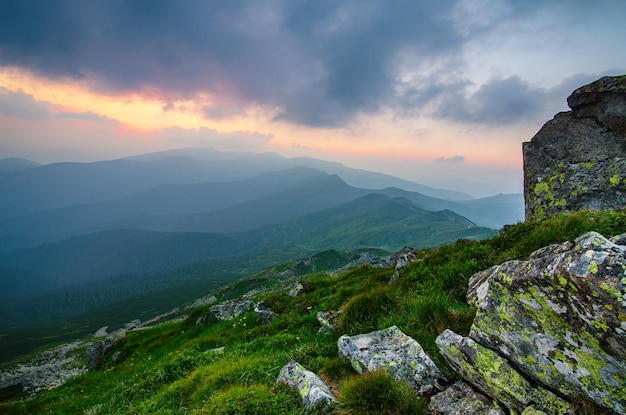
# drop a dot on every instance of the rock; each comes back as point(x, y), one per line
point(604, 100)
point(494, 376)
point(203, 301)
point(47, 370)
point(400, 355)
point(560, 318)
point(98, 348)
point(296, 288)
point(102, 332)
point(132, 324)
point(264, 314)
point(460, 399)
point(314, 392)
point(328, 319)
point(578, 160)
point(232, 308)
point(217, 350)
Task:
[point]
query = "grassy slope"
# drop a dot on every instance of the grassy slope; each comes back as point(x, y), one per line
point(166, 370)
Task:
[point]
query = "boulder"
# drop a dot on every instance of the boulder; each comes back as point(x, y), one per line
point(232, 308)
point(314, 392)
point(494, 376)
point(604, 100)
point(578, 160)
point(400, 355)
point(98, 348)
point(328, 319)
point(264, 314)
point(460, 399)
point(559, 318)
point(295, 289)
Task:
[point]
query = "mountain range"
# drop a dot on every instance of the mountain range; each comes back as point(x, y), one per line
point(78, 236)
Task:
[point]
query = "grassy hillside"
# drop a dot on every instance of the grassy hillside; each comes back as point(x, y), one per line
point(171, 368)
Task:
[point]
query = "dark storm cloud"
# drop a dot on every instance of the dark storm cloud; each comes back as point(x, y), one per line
point(320, 61)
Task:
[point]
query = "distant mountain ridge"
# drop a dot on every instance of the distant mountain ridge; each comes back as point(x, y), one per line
point(75, 236)
point(223, 207)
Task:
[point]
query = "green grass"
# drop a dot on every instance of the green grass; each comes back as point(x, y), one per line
point(169, 369)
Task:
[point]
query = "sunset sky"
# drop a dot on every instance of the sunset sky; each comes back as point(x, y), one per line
point(439, 92)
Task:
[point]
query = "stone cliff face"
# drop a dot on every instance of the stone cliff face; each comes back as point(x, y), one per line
point(578, 159)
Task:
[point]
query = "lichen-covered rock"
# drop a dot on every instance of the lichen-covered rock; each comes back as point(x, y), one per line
point(295, 289)
point(328, 319)
point(460, 399)
point(577, 160)
point(494, 376)
point(400, 355)
point(232, 308)
point(560, 318)
point(314, 392)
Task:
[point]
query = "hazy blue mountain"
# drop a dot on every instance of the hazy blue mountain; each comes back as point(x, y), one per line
point(231, 207)
point(354, 177)
point(127, 212)
point(65, 184)
point(15, 163)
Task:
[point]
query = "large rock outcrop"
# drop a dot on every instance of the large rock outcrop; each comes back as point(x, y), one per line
point(578, 159)
point(549, 330)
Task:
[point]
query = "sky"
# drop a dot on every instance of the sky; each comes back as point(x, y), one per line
point(438, 92)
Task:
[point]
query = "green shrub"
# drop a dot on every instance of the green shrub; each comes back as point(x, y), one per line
point(363, 312)
point(254, 400)
point(377, 393)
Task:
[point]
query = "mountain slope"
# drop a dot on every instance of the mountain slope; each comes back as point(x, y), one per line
point(137, 262)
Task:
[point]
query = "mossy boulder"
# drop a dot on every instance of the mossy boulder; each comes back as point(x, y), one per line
point(400, 355)
point(559, 318)
point(314, 392)
point(578, 159)
point(460, 398)
point(494, 376)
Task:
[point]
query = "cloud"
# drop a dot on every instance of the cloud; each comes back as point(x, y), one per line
point(314, 63)
point(452, 160)
point(20, 105)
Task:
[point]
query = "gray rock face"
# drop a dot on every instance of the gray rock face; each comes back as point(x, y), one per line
point(577, 160)
point(264, 314)
point(558, 318)
point(314, 392)
point(232, 308)
point(494, 376)
point(460, 399)
point(98, 348)
point(47, 370)
point(400, 355)
point(605, 100)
